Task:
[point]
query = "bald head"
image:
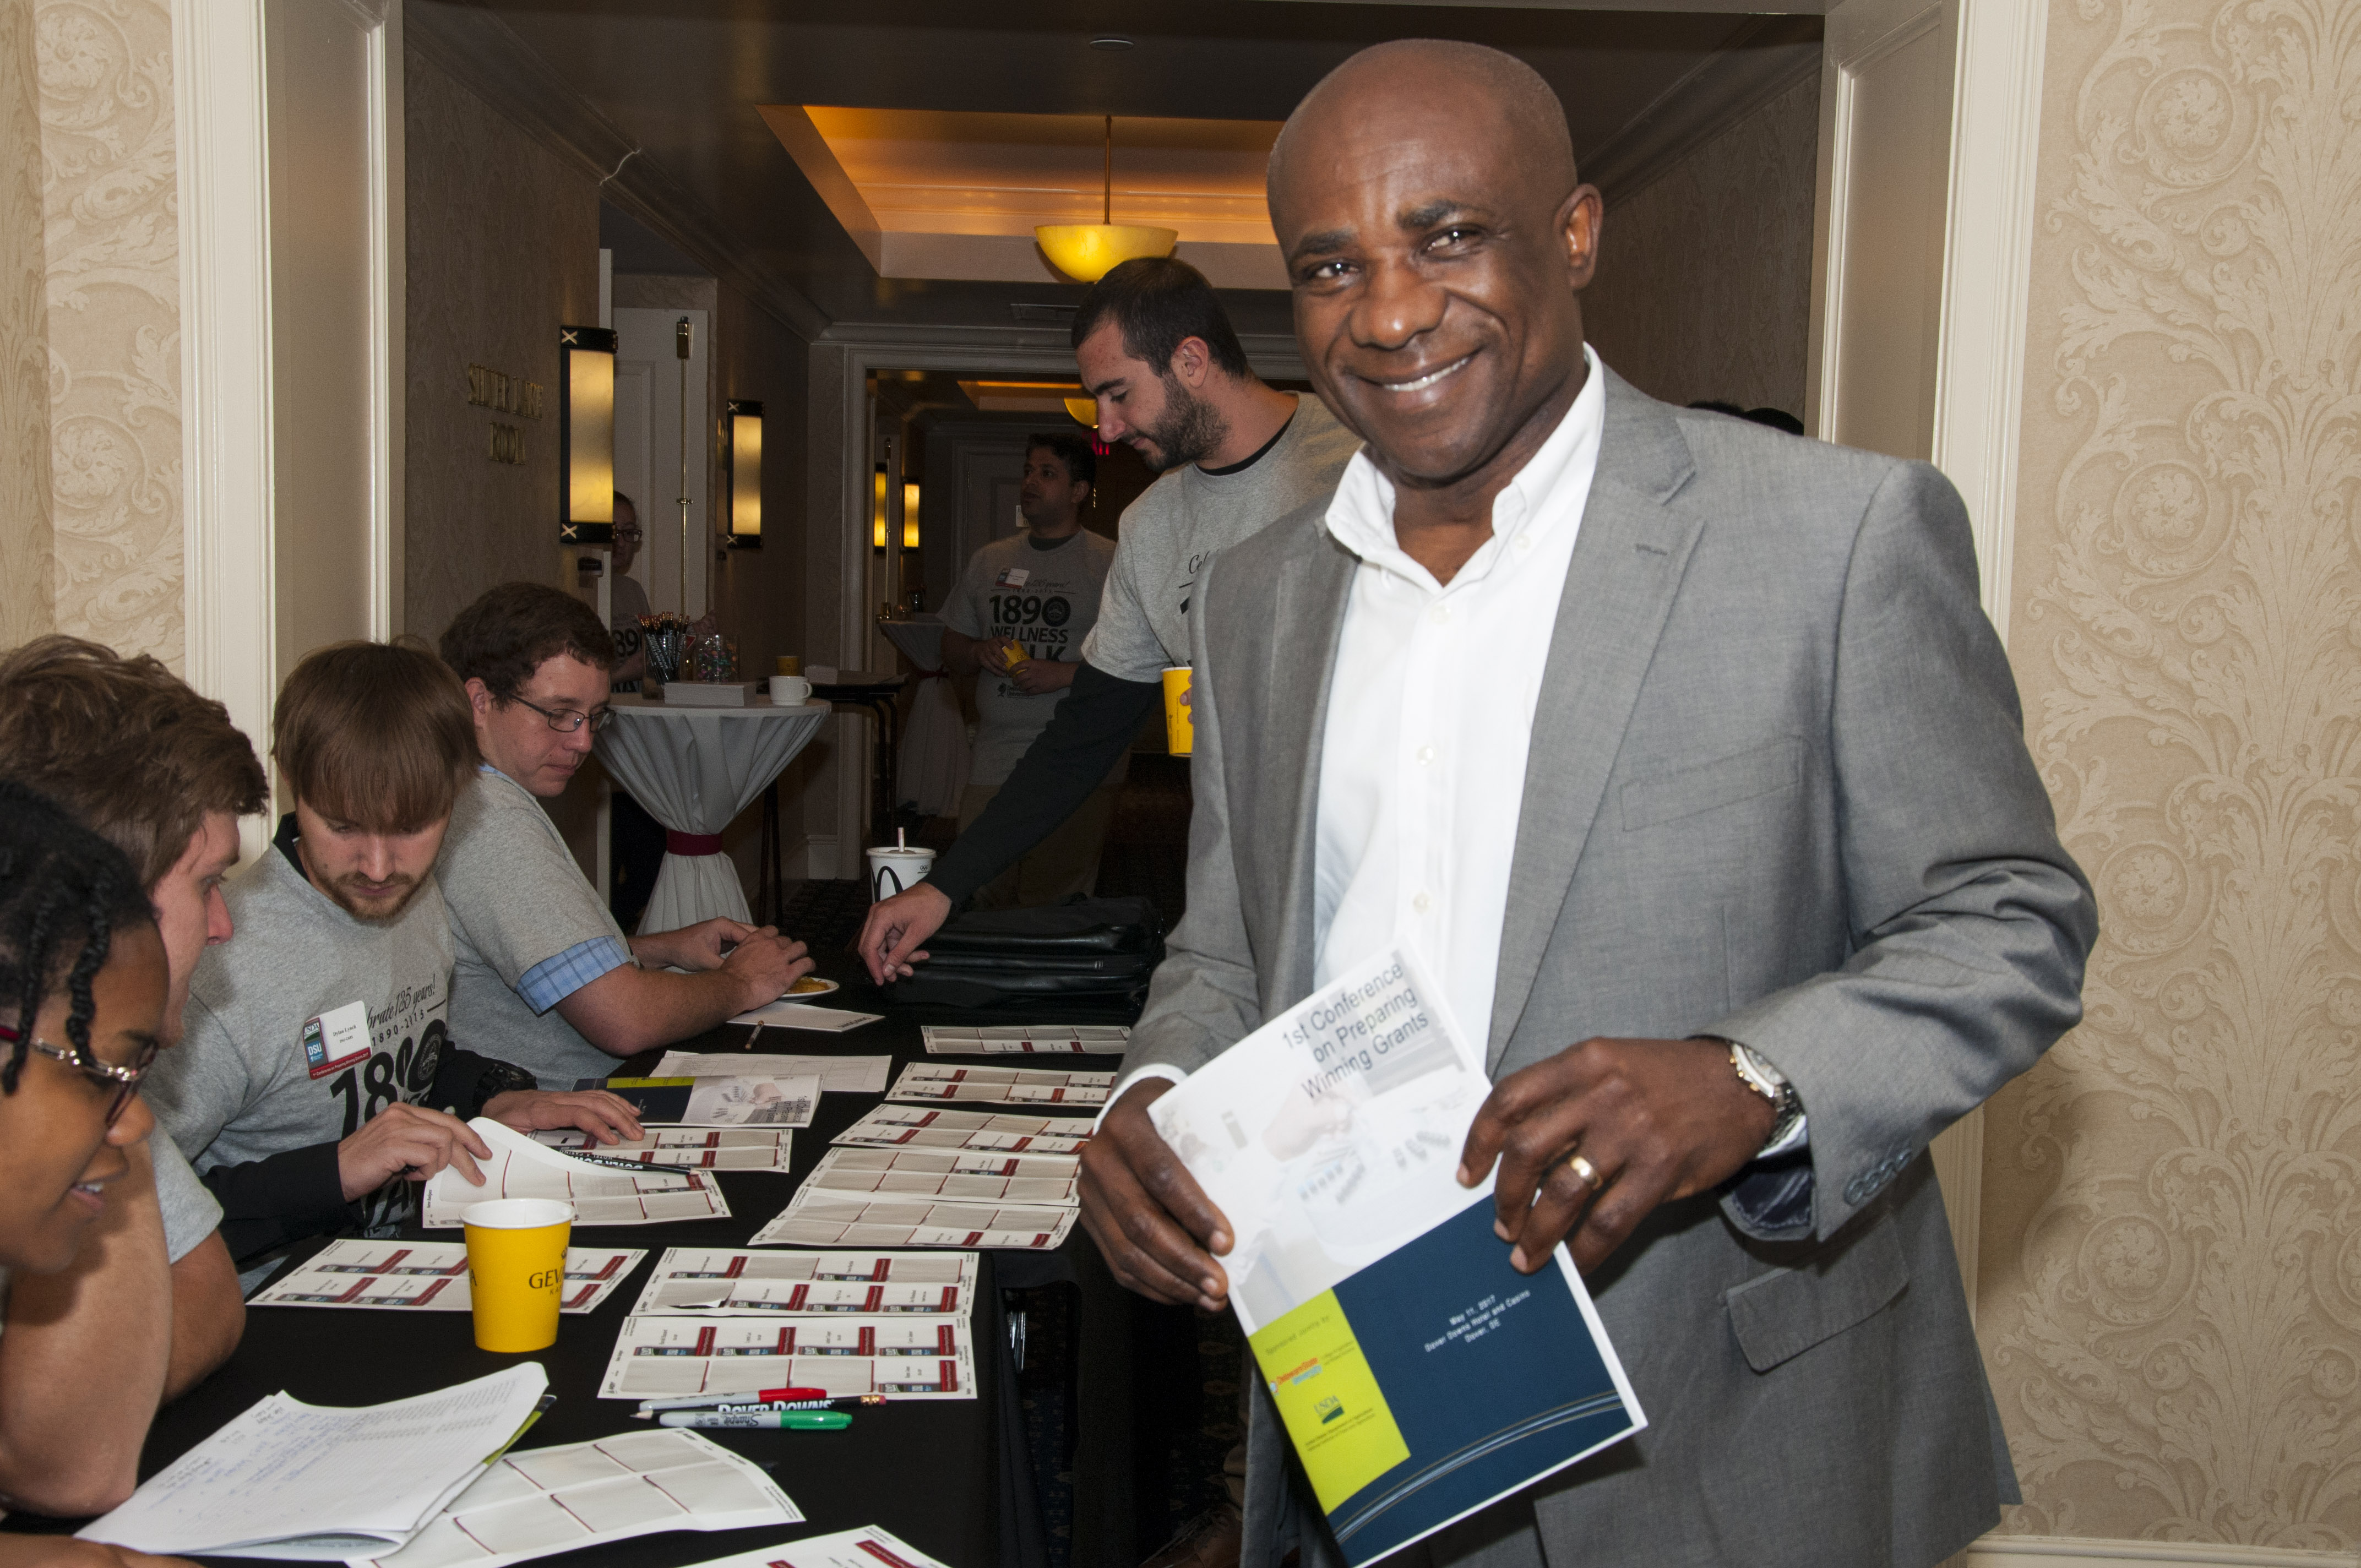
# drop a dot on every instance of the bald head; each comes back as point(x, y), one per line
point(1435, 238)
point(1424, 87)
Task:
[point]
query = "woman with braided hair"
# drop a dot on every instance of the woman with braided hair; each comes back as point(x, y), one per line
point(81, 999)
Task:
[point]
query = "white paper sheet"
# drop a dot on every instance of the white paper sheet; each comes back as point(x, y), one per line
point(286, 1470)
point(428, 1277)
point(933, 1127)
point(1025, 1039)
point(814, 1217)
point(903, 1358)
point(786, 1015)
point(520, 1167)
point(691, 1148)
point(1331, 1135)
point(837, 1075)
point(539, 1501)
point(748, 1099)
point(867, 1547)
point(965, 1175)
point(707, 1281)
point(927, 1081)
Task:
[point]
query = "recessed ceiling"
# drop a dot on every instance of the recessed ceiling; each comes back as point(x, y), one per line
point(956, 194)
point(681, 85)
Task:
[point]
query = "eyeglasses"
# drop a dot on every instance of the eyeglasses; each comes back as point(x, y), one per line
point(566, 720)
point(123, 1080)
point(631, 533)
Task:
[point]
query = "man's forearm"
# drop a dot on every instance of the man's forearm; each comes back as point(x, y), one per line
point(628, 1010)
point(1071, 758)
point(83, 1362)
point(208, 1315)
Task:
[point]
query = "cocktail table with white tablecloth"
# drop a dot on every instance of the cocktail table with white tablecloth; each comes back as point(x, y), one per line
point(694, 769)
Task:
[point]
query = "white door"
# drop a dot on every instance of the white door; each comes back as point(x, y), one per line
point(1885, 142)
point(654, 388)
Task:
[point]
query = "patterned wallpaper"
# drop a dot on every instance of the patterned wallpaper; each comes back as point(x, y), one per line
point(1705, 274)
point(502, 250)
point(109, 210)
point(2170, 1298)
point(28, 601)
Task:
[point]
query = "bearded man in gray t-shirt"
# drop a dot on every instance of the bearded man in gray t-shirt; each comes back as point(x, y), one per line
point(1172, 383)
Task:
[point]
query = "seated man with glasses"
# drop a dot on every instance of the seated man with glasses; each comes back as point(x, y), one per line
point(546, 978)
point(320, 1080)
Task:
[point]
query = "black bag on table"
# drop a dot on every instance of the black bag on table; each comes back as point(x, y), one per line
point(1092, 950)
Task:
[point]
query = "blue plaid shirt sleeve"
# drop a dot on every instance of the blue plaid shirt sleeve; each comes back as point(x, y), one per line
point(555, 978)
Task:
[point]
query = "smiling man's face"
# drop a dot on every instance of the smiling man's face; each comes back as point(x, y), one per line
point(1434, 253)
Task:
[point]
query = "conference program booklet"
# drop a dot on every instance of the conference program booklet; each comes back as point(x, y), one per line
point(1420, 1378)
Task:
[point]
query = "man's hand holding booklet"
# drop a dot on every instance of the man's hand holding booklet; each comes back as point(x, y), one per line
point(1419, 1375)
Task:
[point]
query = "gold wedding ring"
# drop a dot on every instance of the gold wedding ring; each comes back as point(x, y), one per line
point(1583, 1171)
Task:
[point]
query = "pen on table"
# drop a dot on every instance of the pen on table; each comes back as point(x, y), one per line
point(611, 1163)
point(789, 1420)
point(749, 1397)
point(752, 1035)
point(739, 1407)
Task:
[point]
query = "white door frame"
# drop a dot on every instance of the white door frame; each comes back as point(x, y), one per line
point(1979, 352)
point(221, 142)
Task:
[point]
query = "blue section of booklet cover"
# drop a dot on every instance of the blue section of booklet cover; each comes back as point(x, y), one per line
point(1493, 1376)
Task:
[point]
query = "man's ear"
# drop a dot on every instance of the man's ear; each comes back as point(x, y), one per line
point(480, 697)
point(1191, 362)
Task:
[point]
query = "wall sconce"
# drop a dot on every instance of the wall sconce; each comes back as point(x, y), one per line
point(585, 435)
point(910, 515)
point(744, 425)
point(877, 511)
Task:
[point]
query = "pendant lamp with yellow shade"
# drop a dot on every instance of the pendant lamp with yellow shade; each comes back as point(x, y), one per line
point(1088, 252)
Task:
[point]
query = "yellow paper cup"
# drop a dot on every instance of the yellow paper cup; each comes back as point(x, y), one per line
point(1180, 729)
point(516, 1270)
point(789, 665)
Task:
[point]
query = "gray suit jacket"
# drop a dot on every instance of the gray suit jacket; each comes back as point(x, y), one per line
point(1777, 791)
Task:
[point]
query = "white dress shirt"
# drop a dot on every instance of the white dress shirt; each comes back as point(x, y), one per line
point(1430, 714)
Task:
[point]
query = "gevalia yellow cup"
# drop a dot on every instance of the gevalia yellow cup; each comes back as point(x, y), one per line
point(516, 1270)
point(1180, 729)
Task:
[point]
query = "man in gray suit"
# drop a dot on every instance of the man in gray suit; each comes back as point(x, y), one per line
point(1680, 749)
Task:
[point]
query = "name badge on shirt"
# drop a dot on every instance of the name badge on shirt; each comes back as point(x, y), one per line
point(1014, 577)
point(334, 1041)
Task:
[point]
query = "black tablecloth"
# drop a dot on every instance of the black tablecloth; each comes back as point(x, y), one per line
point(951, 1477)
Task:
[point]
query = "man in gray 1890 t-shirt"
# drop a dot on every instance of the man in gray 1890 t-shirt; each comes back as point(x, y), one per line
point(1017, 619)
point(1156, 351)
point(319, 1082)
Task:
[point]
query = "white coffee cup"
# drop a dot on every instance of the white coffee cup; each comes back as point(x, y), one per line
point(893, 871)
point(790, 691)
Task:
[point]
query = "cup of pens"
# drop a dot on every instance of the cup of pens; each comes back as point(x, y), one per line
point(516, 1270)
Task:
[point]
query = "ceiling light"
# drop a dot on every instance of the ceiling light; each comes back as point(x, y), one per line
point(1084, 412)
point(1111, 43)
point(1088, 252)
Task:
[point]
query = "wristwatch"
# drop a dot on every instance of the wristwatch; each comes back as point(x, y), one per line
point(1786, 1105)
point(499, 1077)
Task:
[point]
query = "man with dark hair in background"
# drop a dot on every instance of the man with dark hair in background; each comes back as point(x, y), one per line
point(1172, 382)
point(547, 978)
point(127, 747)
point(1017, 619)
